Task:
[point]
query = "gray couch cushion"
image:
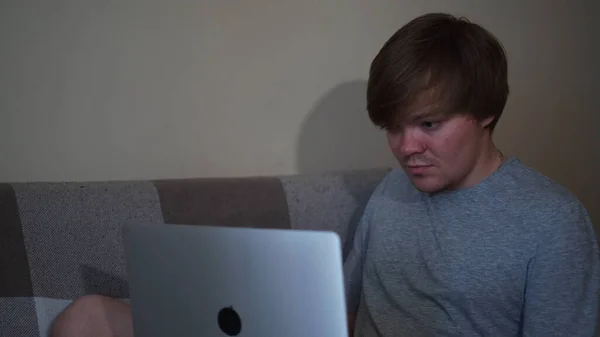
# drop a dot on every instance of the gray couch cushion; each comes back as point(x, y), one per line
point(63, 240)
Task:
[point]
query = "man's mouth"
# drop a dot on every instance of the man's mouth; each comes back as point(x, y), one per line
point(418, 169)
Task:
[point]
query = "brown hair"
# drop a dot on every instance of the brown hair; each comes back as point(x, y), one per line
point(458, 64)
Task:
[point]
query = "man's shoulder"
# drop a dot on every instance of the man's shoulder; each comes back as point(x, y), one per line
point(545, 206)
point(524, 185)
point(516, 187)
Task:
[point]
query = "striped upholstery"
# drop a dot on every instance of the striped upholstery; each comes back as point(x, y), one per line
point(63, 240)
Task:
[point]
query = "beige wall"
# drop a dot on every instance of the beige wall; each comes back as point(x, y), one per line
point(96, 90)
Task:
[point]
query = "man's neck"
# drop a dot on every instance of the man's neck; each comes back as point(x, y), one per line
point(489, 160)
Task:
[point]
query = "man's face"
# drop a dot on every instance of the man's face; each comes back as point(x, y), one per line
point(439, 153)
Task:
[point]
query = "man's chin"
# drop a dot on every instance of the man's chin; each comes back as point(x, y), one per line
point(427, 184)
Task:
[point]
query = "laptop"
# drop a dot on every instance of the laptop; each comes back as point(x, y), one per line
point(205, 281)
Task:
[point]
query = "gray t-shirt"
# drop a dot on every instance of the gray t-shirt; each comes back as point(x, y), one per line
point(515, 255)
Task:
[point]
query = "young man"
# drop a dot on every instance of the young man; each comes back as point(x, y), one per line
point(462, 241)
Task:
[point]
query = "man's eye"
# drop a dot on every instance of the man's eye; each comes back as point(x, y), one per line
point(429, 125)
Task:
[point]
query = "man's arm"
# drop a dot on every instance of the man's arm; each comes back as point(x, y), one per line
point(351, 321)
point(563, 279)
point(353, 267)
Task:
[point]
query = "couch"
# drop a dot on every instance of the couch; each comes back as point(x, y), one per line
point(63, 240)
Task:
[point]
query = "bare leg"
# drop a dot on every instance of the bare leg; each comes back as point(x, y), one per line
point(94, 316)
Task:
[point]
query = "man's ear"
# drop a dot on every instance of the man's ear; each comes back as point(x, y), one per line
point(484, 123)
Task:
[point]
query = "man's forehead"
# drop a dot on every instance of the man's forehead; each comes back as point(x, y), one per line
point(431, 110)
point(420, 111)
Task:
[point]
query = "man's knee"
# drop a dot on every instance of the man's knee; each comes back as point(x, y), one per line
point(85, 316)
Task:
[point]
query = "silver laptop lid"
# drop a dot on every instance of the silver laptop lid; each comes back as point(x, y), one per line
point(223, 281)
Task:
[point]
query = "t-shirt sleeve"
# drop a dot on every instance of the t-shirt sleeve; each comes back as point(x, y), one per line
point(353, 266)
point(563, 278)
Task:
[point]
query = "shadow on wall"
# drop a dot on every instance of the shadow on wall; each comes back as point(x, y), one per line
point(338, 135)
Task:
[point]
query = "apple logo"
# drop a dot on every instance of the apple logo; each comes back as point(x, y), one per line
point(229, 321)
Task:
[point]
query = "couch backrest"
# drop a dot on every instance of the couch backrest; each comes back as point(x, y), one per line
point(63, 240)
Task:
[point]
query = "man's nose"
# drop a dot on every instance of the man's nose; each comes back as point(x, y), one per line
point(406, 143)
